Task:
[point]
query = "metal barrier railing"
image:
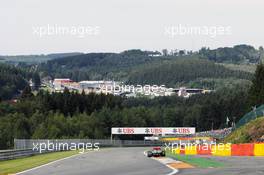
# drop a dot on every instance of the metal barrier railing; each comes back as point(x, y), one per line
point(14, 154)
point(255, 113)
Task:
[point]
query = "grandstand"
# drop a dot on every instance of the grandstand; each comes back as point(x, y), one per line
point(217, 134)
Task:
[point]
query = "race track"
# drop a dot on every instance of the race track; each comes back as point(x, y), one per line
point(132, 161)
point(112, 161)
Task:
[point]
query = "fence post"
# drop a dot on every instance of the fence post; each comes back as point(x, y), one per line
point(15, 147)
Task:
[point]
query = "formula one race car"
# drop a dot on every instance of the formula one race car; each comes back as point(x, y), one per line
point(156, 152)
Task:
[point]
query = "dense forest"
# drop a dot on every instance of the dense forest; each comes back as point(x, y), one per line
point(13, 80)
point(94, 66)
point(184, 71)
point(236, 54)
point(72, 115)
point(173, 68)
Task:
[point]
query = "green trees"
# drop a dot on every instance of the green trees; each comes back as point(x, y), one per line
point(15, 79)
point(256, 93)
point(12, 126)
point(26, 93)
point(36, 80)
point(21, 128)
point(71, 115)
point(96, 65)
point(69, 103)
point(6, 132)
point(236, 54)
point(12, 80)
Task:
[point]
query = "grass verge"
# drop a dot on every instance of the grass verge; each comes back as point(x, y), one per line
point(199, 162)
point(21, 164)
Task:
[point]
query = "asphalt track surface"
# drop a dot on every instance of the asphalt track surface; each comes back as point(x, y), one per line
point(112, 161)
point(233, 166)
point(132, 161)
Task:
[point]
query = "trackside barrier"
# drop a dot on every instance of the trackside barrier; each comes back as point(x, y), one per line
point(29, 144)
point(25, 148)
point(242, 150)
point(221, 150)
point(259, 149)
point(247, 149)
point(182, 151)
point(176, 151)
point(191, 150)
point(204, 150)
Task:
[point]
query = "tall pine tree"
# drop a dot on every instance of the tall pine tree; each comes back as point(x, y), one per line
point(256, 93)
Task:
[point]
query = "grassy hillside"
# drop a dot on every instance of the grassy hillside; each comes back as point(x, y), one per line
point(248, 133)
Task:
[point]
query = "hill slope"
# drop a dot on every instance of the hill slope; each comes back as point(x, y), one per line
point(140, 67)
point(184, 71)
point(248, 133)
point(98, 65)
point(34, 59)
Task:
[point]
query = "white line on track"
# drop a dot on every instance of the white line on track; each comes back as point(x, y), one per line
point(174, 171)
point(145, 153)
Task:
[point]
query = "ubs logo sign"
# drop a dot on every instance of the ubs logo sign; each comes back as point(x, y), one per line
point(156, 131)
point(128, 131)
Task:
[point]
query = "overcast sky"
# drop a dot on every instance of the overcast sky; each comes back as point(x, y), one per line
point(119, 25)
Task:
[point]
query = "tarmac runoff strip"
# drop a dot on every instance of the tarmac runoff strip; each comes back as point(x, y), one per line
point(172, 164)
